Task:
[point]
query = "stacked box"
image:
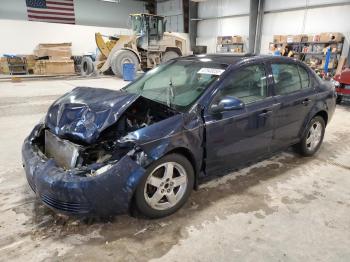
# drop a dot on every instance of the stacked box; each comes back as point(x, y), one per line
point(331, 36)
point(4, 68)
point(30, 61)
point(54, 50)
point(55, 59)
point(52, 67)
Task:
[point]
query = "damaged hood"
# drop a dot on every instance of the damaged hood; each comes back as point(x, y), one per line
point(85, 112)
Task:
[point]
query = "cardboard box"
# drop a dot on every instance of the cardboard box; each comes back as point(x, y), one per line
point(276, 39)
point(54, 50)
point(300, 38)
point(51, 67)
point(310, 38)
point(4, 68)
point(289, 38)
point(279, 39)
point(30, 60)
point(236, 39)
point(331, 36)
point(283, 39)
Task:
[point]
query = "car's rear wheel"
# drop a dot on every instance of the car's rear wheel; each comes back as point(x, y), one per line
point(166, 186)
point(313, 137)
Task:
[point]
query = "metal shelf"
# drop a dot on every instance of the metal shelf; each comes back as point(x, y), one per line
point(296, 46)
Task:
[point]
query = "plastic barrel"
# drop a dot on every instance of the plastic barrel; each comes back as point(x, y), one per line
point(128, 72)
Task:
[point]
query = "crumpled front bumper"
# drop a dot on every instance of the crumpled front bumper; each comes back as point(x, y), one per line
point(64, 191)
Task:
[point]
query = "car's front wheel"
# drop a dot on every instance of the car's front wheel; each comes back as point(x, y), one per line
point(166, 186)
point(313, 137)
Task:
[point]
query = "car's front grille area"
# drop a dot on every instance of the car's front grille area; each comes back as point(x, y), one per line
point(76, 208)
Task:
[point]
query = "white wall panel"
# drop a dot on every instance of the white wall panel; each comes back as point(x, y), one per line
point(217, 8)
point(208, 30)
point(280, 4)
point(321, 2)
point(283, 23)
point(24, 36)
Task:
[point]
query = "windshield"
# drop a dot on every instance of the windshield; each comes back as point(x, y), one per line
point(136, 24)
point(177, 84)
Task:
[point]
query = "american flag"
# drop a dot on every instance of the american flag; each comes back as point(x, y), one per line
point(55, 11)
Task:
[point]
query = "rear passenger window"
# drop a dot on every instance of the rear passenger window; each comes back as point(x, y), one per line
point(248, 84)
point(286, 78)
point(304, 77)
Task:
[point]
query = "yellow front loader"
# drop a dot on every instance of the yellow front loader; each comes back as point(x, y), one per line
point(146, 47)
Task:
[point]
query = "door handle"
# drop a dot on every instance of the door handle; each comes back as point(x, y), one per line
point(265, 113)
point(306, 101)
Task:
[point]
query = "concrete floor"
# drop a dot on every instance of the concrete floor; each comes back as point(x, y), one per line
point(286, 208)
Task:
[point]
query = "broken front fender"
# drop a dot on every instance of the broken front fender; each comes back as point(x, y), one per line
point(66, 191)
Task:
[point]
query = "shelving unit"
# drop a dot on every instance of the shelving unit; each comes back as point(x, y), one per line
point(226, 48)
point(315, 50)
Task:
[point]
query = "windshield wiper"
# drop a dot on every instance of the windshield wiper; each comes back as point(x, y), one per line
point(171, 94)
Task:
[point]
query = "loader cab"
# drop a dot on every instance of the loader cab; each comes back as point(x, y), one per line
point(148, 28)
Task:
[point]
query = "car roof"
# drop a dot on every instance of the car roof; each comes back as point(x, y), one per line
point(231, 59)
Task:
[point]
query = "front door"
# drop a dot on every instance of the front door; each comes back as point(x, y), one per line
point(236, 136)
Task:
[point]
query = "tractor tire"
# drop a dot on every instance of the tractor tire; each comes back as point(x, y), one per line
point(121, 57)
point(169, 55)
point(86, 66)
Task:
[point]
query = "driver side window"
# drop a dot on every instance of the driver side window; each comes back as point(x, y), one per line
point(248, 84)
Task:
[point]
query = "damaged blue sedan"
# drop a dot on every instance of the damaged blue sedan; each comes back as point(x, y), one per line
point(146, 146)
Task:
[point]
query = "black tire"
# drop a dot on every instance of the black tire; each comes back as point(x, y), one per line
point(121, 57)
point(169, 55)
point(303, 147)
point(86, 66)
point(339, 99)
point(140, 202)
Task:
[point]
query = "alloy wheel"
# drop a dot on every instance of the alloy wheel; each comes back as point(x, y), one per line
point(166, 186)
point(314, 136)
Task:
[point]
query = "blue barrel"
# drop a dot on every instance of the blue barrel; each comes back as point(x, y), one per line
point(128, 72)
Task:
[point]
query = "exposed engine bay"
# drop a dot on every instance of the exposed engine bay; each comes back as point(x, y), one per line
point(69, 153)
point(142, 113)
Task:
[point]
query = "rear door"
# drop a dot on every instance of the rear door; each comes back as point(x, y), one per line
point(237, 136)
point(294, 95)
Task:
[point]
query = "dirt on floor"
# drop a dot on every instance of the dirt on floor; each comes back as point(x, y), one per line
point(285, 208)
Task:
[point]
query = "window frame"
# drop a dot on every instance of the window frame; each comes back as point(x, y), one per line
point(308, 75)
point(297, 65)
point(235, 70)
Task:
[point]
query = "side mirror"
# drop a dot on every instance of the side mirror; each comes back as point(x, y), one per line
point(227, 103)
